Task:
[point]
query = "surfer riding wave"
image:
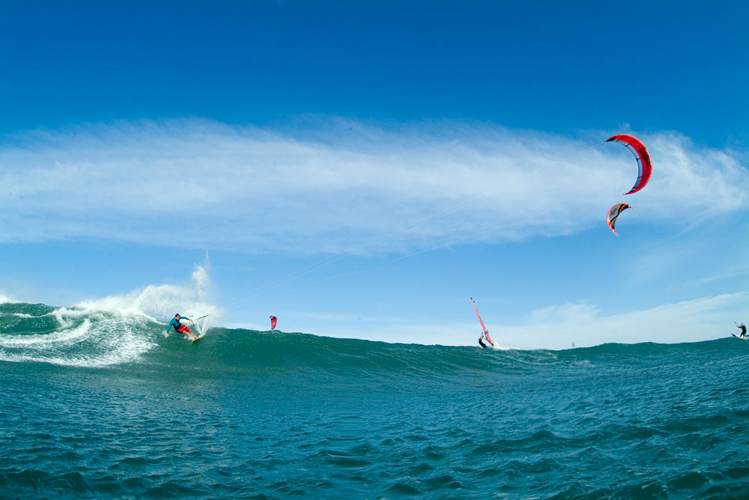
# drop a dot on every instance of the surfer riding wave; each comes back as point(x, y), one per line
point(177, 324)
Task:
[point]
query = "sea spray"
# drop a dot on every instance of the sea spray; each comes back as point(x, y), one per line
point(160, 302)
point(101, 332)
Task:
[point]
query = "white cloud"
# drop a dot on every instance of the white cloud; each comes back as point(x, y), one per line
point(342, 186)
point(6, 300)
point(582, 325)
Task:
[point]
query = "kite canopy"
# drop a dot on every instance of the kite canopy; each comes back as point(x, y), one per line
point(273, 322)
point(614, 214)
point(643, 159)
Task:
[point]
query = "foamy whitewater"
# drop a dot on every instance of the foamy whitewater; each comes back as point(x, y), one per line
point(97, 403)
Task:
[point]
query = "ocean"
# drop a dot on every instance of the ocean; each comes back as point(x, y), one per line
point(96, 404)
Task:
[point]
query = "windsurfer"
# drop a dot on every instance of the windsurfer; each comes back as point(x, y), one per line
point(743, 330)
point(176, 323)
point(485, 332)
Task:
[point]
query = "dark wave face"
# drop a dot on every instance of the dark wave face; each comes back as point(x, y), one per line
point(101, 405)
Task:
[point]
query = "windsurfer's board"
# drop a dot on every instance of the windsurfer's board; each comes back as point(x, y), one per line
point(742, 338)
point(196, 339)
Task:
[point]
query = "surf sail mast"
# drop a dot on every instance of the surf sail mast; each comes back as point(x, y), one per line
point(485, 332)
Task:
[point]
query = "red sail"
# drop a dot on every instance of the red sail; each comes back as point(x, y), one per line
point(643, 159)
point(614, 213)
point(273, 322)
point(485, 333)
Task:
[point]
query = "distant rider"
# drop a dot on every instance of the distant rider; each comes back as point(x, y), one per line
point(177, 325)
point(743, 330)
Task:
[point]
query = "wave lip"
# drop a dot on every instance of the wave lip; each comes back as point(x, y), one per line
point(71, 336)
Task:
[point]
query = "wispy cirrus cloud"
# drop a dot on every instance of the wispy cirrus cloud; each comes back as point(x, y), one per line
point(341, 186)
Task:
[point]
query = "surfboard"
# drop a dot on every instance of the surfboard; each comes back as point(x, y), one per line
point(196, 338)
point(742, 338)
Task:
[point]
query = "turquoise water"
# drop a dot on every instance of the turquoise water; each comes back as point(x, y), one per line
point(97, 405)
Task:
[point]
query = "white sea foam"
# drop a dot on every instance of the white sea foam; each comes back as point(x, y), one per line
point(41, 341)
point(111, 330)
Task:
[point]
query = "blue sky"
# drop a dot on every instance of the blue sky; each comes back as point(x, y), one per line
point(361, 169)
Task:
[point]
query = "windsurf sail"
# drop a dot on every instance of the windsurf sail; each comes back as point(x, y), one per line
point(273, 321)
point(643, 159)
point(485, 332)
point(614, 213)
